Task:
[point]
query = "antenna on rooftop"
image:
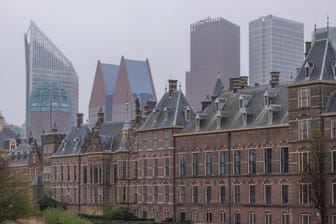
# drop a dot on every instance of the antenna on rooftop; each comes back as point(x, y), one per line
point(327, 21)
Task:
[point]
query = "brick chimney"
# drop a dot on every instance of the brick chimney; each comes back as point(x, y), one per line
point(275, 77)
point(243, 81)
point(79, 119)
point(172, 86)
point(235, 84)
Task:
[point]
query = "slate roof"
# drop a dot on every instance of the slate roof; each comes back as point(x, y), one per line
point(319, 60)
point(170, 111)
point(331, 105)
point(231, 116)
point(20, 156)
point(110, 74)
point(110, 135)
point(5, 134)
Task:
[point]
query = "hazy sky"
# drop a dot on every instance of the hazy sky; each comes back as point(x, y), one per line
point(86, 31)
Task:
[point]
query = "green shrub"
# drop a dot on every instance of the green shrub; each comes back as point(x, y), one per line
point(113, 213)
point(56, 216)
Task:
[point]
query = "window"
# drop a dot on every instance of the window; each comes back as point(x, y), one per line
point(334, 161)
point(75, 172)
point(222, 192)
point(155, 168)
point(304, 193)
point(222, 163)
point(304, 97)
point(135, 194)
point(252, 192)
point(124, 169)
point(208, 167)
point(252, 161)
point(155, 194)
point(166, 139)
point(85, 174)
point(166, 193)
point(62, 174)
point(195, 216)
point(268, 160)
point(144, 141)
point(208, 217)
point(284, 194)
point(55, 174)
point(68, 173)
point(333, 221)
point(95, 174)
point(284, 160)
point(304, 158)
point(333, 127)
point(334, 194)
point(135, 169)
point(182, 165)
point(124, 194)
point(195, 163)
point(144, 194)
point(144, 168)
point(236, 162)
point(182, 216)
point(237, 218)
point(268, 218)
point(115, 194)
point(85, 195)
point(144, 214)
point(136, 144)
point(195, 194)
point(222, 217)
point(155, 140)
point(304, 219)
point(166, 167)
point(236, 194)
point(252, 218)
point(208, 194)
point(268, 194)
point(285, 219)
point(107, 174)
point(182, 194)
point(304, 129)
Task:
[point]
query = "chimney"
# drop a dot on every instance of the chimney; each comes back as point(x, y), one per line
point(79, 119)
point(172, 86)
point(101, 116)
point(235, 84)
point(308, 46)
point(205, 102)
point(243, 81)
point(274, 79)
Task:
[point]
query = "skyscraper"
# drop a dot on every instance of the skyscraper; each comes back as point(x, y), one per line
point(275, 44)
point(214, 53)
point(45, 62)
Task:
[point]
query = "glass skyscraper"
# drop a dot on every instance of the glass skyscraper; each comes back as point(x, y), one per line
point(45, 62)
point(275, 44)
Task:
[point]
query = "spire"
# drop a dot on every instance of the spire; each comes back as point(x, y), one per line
point(327, 22)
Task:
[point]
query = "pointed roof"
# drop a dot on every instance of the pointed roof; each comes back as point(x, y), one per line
point(218, 87)
point(170, 111)
point(319, 62)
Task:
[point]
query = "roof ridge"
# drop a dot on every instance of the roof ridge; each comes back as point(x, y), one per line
point(324, 59)
point(177, 106)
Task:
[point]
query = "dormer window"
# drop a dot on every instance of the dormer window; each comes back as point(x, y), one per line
point(219, 121)
point(308, 69)
point(266, 98)
point(244, 117)
point(333, 68)
point(241, 100)
point(187, 113)
point(198, 122)
point(270, 116)
point(217, 105)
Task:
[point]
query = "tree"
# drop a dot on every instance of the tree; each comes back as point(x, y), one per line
point(15, 200)
point(315, 173)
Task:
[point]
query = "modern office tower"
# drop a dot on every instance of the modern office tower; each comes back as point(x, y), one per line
point(102, 91)
point(323, 32)
point(49, 107)
point(134, 81)
point(214, 53)
point(44, 61)
point(275, 44)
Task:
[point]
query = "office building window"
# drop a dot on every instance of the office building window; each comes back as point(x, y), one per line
point(284, 194)
point(304, 129)
point(135, 169)
point(236, 162)
point(304, 161)
point(222, 193)
point(182, 164)
point(268, 194)
point(284, 218)
point(182, 194)
point(208, 167)
point(268, 160)
point(195, 163)
point(155, 140)
point(155, 194)
point(252, 161)
point(166, 167)
point(166, 193)
point(268, 218)
point(304, 219)
point(252, 192)
point(222, 163)
point(208, 194)
point(195, 194)
point(144, 168)
point(237, 218)
point(252, 218)
point(144, 140)
point(155, 167)
point(304, 97)
point(236, 194)
point(144, 194)
point(166, 139)
point(304, 193)
point(284, 160)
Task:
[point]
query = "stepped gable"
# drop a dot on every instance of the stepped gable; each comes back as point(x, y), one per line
point(172, 110)
point(316, 67)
